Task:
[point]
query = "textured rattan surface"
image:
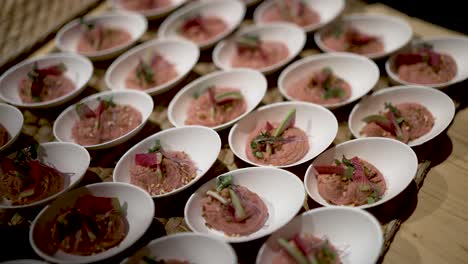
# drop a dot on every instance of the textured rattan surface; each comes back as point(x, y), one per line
point(25, 24)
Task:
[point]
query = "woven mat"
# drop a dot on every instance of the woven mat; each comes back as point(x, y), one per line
point(169, 211)
point(25, 24)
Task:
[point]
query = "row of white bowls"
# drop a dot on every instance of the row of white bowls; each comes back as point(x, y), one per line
point(363, 241)
point(361, 72)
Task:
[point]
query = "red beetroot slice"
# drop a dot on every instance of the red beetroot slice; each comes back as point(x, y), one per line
point(148, 159)
point(359, 175)
point(301, 245)
point(321, 77)
point(84, 111)
point(212, 96)
point(100, 109)
point(357, 38)
point(329, 169)
point(195, 21)
point(268, 126)
point(434, 59)
point(89, 204)
point(35, 170)
point(54, 70)
point(7, 164)
point(408, 59)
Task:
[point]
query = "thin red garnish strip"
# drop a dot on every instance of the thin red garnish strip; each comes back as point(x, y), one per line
point(154, 157)
point(25, 166)
point(352, 170)
point(390, 122)
point(422, 53)
point(194, 21)
point(358, 38)
point(84, 111)
point(37, 76)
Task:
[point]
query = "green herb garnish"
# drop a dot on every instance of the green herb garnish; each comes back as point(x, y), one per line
point(88, 25)
point(156, 147)
point(145, 73)
point(223, 182)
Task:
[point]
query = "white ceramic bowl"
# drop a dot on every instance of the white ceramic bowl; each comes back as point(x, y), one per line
point(328, 10)
point(395, 160)
point(139, 100)
point(151, 13)
point(180, 53)
point(69, 158)
point(192, 247)
point(12, 120)
point(394, 32)
point(231, 11)
point(252, 85)
point(202, 144)
point(290, 35)
point(359, 238)
point(139, 215)
point(79, 71)
point(360, 72)
point(264, 181)
point(457, 47)
point(135, 24)
point(319, 124)
point(440, 105)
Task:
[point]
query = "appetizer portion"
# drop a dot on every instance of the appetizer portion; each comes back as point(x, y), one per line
point(161, 171)
point(348, 38)
point(253, 52)
point(155, 260)
point(294, 11)
point(215, 106)
point(45, 84)
point(404, 122)
point(93, 225)
point(200, 28)
point(97, 37)
point(143, 5)
point(350, 182)
point(306, 249)
point(322, 87)
point(107, 122)
point(423, 65)
point(277, 144)
point(4, 136)
point(233, 209)
point(151, 73)
point(24, 179)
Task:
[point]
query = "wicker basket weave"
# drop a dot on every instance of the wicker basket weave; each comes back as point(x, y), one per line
point(24, 24)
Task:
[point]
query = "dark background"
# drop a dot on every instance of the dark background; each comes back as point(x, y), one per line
point(452, 14)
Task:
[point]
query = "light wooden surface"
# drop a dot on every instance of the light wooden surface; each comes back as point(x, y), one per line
point(437, 230)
